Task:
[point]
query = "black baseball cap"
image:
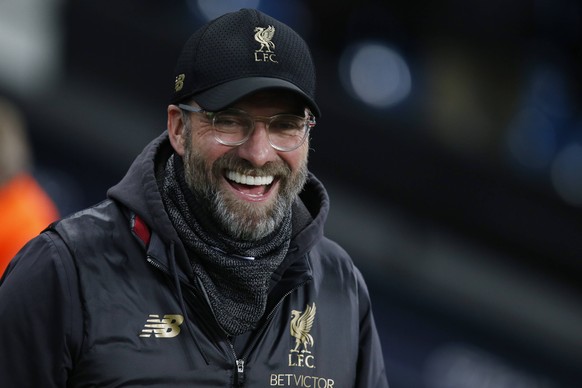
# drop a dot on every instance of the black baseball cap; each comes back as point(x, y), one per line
point(240, 53)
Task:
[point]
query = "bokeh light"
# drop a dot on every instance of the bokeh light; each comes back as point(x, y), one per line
point(375, 74)
point(567, 174)
point(531, 139)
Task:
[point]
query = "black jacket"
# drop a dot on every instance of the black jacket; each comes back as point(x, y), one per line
point(106, 298)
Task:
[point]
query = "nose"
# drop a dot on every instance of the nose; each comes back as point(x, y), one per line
point(257, 149)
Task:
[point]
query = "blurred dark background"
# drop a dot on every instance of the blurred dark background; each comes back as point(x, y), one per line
point(450, 143)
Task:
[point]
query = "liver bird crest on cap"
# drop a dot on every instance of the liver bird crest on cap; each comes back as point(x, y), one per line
point(264, 36)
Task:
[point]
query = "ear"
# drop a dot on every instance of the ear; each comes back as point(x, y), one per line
point(176, 129)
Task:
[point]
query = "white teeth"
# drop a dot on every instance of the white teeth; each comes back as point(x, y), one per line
point(249, 180)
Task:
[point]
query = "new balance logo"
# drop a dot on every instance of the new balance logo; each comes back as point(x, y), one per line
point(167, 327)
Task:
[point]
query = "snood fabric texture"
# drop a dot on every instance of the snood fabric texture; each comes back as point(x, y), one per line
point(236, 285)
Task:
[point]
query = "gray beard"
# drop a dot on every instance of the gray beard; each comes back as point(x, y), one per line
point(239, 219)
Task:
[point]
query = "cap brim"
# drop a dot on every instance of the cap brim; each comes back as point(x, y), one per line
point(223, 95)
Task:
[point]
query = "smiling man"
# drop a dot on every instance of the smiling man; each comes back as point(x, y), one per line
point(248, 172)
point(207, 265)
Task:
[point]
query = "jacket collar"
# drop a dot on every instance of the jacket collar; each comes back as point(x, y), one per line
point(138, 191)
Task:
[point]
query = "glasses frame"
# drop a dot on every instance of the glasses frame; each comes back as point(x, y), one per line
point(309, 123)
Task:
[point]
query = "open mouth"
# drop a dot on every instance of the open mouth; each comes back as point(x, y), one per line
point(254, 188)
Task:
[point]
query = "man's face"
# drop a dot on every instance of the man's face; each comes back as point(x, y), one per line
point(248, 188)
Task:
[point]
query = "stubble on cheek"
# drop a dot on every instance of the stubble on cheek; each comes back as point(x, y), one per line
point(238, 218)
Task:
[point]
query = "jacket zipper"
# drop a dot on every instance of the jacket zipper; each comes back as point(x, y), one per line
point(240, 362)
point(152, 261)
point(270, 316)
point(155, 263)
point(240, 366)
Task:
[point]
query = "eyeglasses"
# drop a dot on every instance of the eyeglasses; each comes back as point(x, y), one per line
point(233, 127)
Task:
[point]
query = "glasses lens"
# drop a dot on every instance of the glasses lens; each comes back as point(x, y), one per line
point(231, 127)
point(287, 132)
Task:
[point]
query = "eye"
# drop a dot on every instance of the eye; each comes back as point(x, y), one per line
point(286, 124)
point(230, 122)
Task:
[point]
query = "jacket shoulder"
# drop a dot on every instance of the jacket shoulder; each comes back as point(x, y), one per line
point(101, 218)
point(329, 260)
point(39, 294)
point(330, 252)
